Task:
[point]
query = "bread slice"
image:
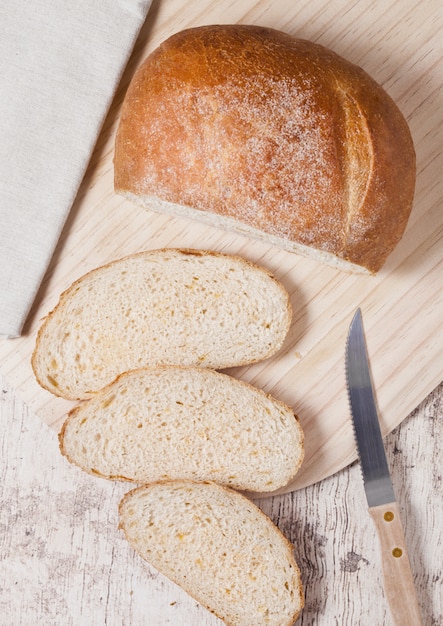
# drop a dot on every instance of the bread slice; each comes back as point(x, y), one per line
point(219, 547)
point(174, 422)
point(162, 307)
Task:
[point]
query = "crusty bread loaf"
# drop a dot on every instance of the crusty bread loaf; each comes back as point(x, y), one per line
point(169, 306)
point(174, 422)
point(252, 130)
point(219, 547)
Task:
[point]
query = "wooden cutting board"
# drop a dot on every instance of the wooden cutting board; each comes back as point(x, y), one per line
point(399, 44)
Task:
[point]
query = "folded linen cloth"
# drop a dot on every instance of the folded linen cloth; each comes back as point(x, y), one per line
point(60, 64)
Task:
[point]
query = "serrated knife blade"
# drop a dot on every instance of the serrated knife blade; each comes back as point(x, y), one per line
point(397, 574)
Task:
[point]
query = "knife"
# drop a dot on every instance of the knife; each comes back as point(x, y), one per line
point(397, 575)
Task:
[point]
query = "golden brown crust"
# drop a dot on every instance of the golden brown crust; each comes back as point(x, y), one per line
point(278, 133)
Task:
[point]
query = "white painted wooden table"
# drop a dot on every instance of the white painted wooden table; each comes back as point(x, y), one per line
point(63, 561)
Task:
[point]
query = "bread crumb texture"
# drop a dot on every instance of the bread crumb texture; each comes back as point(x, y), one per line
point(250, 129)
point(165, 307)
point(174, 422)
point(219, 547)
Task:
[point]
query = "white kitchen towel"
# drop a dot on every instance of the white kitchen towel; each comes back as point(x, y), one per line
point(60, 64)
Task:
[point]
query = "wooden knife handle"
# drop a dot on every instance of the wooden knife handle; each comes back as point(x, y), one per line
point(397, 574)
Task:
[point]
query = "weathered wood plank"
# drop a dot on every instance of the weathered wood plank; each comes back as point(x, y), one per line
point(63, 560)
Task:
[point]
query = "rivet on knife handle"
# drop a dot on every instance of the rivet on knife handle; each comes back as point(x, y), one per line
point(398, 579)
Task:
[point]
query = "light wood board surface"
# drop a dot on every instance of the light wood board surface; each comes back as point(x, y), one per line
point(400, 45)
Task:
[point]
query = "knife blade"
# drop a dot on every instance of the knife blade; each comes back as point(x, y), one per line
point(397, 574)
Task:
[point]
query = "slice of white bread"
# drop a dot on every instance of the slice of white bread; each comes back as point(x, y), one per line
point(161, 307)
point(173, 422)
point(219, 547)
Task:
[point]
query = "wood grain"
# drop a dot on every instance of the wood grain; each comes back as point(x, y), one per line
point(398, 581)
point(63, 561)
point(400, 46)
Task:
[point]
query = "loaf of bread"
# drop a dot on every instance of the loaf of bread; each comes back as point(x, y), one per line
point(249, 129)
point(172, 422)
point(161, 307)
point(219, 547)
